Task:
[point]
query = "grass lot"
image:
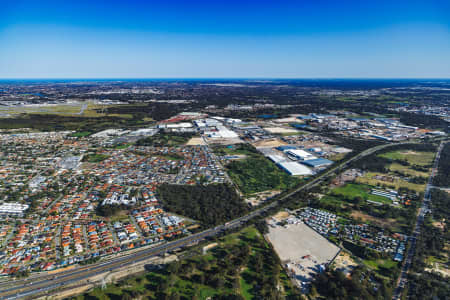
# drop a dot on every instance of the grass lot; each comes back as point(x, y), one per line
point(383, 267)
point(291, 133)
point(96, 110)
point(257, 174)
point(380, 263)
point(81, 134)
point(59, 109)
point(223, 271)
point(95, 158)
point(122, 146)
point(165, 139)
point(412, 157)
point(171, 156)
point(351, 191)
point(433, 259)
point(337, 157)
point(407, 170)
point(369, 179)
point(239, 149)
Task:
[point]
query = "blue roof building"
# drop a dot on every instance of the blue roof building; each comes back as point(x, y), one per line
point(284, 148)
point(317, 163)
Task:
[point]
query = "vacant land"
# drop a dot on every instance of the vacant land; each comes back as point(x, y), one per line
point(57, 109)
point(302, 249)
point(365, 218)
point(257, 174)
point(238, 149)
point(196, 141)
point(281, 130)
point(406, 170)
point(95, 158)
point(420, 158)
point(268, 143)
point(165, 140)
point(293, 241)
point(369, 178)
point(380, 264)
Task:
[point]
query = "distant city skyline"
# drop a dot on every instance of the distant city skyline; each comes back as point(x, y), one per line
point(233, 39)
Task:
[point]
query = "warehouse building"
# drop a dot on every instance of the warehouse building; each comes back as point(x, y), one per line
point(300, 155)
point(317, 163)
point(294, 168)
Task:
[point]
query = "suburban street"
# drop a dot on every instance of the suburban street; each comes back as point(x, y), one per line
point(401, 282)
point(42, 283)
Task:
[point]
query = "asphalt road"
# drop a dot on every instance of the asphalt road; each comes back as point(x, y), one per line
point(42, 283)
point(402, 279)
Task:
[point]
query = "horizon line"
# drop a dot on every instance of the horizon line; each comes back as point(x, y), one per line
point(225, 78)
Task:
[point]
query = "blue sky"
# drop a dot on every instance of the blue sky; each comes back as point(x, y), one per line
point(239, 39)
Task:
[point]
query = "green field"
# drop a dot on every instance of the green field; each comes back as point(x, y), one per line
point(395, 167)
point(95, 158)
point(165, 139)
point(380, 263)
point(351, 191)
point(257, 174)
point(369, 179)
point(419, 158)
point(238, 149)
point(81, 134)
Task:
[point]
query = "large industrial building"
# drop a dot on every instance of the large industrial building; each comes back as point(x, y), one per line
point(294, 168)
point(300, 154)
point(317, 163)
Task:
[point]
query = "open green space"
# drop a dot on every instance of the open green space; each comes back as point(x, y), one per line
point(242, 265)
point(172, 156)
point(397, 183)
point(81, 134)
point(257, 174)
point(165, 139)
point(352, 191)
point(238, 149)
point(95, 158)
point(122, 146)
point(55, 122)
point(420, 158)
point(379, 264)
point(406, 170)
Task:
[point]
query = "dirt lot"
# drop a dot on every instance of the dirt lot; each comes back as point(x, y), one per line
point(258, 198)
point(195, 141)
point(344, 263)
point(269, 143)
point(282, 215)
point(280, 130)
point(303, 250)
point(388, 223)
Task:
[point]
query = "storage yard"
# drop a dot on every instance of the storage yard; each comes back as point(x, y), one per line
point(303, 251)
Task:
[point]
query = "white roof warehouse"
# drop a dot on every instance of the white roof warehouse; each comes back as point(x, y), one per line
point(294, 168)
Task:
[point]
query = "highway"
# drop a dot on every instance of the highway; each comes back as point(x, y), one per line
point(403, 277)
point(41, 283)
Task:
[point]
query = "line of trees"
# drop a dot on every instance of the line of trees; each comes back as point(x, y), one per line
point(442, 178)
